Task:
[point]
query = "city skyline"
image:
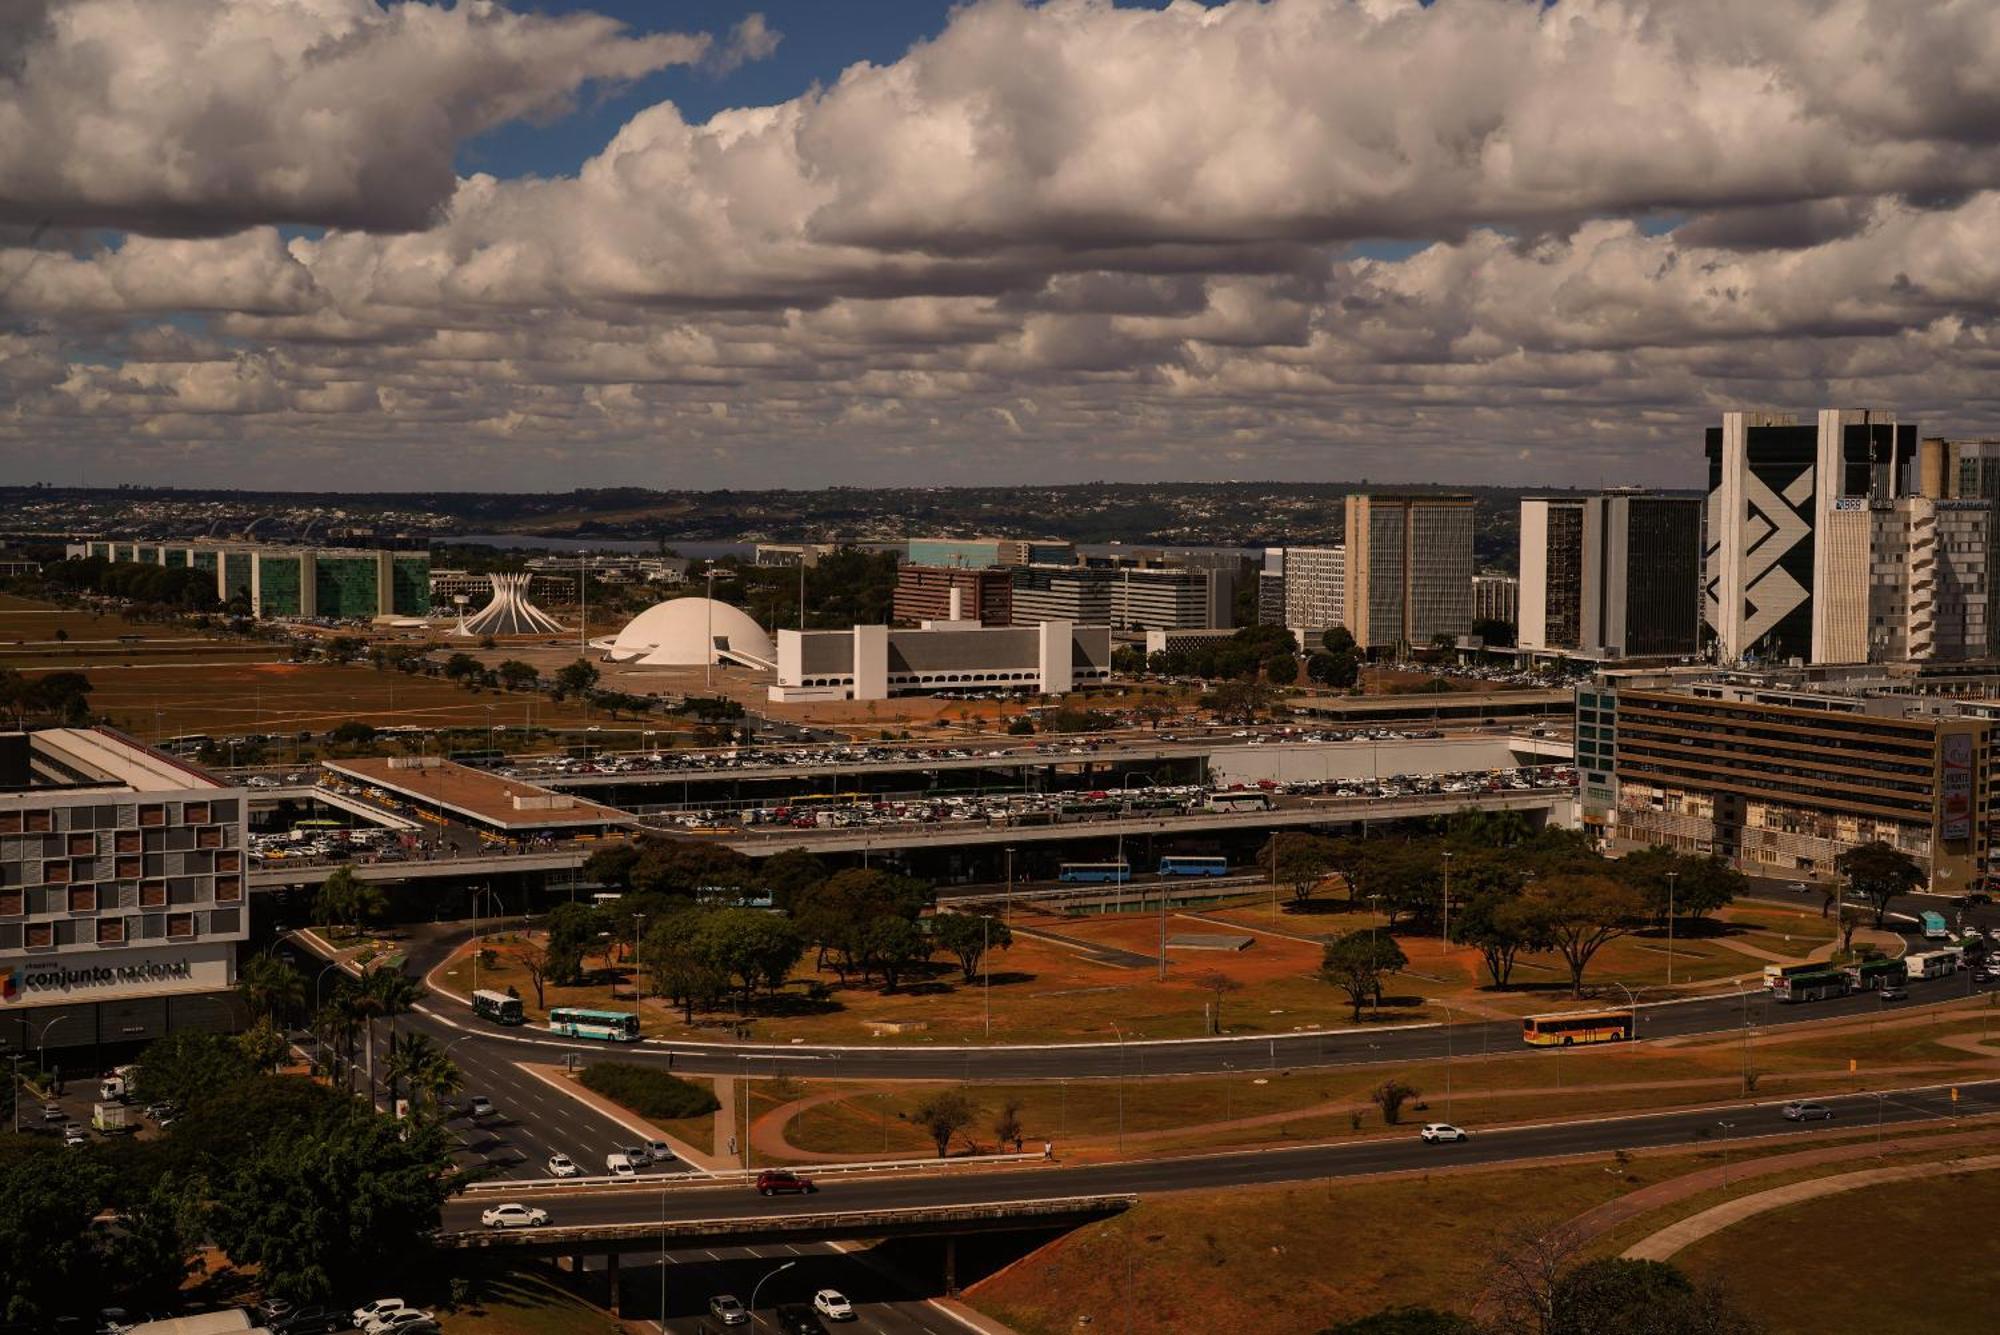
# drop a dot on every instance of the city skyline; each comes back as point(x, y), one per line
point(1002, 243)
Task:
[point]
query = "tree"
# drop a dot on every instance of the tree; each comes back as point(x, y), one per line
point(1580, 915)
point(1390, 1096)
point(1406, 876)
point(890, 946)
point(571, 930)
point(1687, 886)
point(1302, 861)
point(262, 1046)
point(344, 898)
point(518, 676)
point(1851, 918)
point(1337, 640)
point(351, 732)
point(332, 1200)
point(945, 1114)
point(751, 947)
point(612, 865)
point(1877, 873)
point(464, 667)
point(1281, 669)
point(1218, 985)
point(1239, 701)
point(1007, 1124)
point(49, 1250)
point(577, 678)
point(1500, 927)
point(271, 988)
point(788, 872)
point(1357, 962)
point(187, 1067)
point(967, 936)
point(1640, 1298)
point(1530, 1257)
point(535, 961)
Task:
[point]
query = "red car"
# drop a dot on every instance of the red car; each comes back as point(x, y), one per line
point(774, 1180)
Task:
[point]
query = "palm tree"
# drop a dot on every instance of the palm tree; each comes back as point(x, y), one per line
point(271, 988)
point(341, 1021)
point(407, 1055)
point(435, 1081)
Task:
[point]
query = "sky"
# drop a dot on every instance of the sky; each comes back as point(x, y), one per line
point(343, 244)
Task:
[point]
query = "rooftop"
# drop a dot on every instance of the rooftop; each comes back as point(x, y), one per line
point(475, 796)
point(91, 758)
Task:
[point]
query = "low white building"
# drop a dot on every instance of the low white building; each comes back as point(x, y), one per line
point(876, 662)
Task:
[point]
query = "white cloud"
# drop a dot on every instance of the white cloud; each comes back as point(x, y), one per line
point(1074, 240)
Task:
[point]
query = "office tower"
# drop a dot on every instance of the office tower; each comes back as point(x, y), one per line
point(1271, 589)
point(1787, 557)
point(1612, 575)
point(923, 593)
point(1408, 577)
point(1929, 574)
point(1315, 591)
point(1496, 598)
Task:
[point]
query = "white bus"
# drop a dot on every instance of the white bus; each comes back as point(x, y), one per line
point(497, 1007)
point(1241, 799)
point(1932, 964)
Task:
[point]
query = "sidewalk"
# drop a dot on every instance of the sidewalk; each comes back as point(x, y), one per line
point(1675, 1237)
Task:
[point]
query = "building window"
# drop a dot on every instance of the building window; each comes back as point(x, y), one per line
point(180, 926)
point(55, 873)
point(153, 895)
point(83, 899)
point(194, 813)
point(228, 889)
point(41, 936)
point(152, 815)
point(13, 903)
point(110, 931)
point(83, 845)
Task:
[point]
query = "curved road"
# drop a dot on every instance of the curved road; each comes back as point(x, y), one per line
point(1720, 1124)
point(449, 1020)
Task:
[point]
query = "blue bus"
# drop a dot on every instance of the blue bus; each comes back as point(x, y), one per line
point(1176, 866)
point(1112, 872)
point(616, 1026)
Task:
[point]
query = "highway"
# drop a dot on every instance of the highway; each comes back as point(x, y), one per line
point(1720, 1124)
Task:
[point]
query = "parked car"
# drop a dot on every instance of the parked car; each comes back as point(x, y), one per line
point(53, 1112)
point(74, 1135)
point(725, 1308)
point(313, 1320)
point(381, 1307)
point(561, 1165)
point(833, 1305)
point(659, 1151)
point(274, 1310)
point(798, 1319)
point(479, 1106)
point(774, 1180)
point(1440, 1133)
point(405, 1321)
point(514, 1215)
point(1808, 1112)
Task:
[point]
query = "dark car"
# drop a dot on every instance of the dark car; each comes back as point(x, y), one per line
point(798, 1319)
point(313, 1320)
point(774, 1180)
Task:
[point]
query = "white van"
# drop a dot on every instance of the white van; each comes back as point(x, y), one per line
point(619, 1165)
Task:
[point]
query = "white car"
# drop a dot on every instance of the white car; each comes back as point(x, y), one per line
point(479, 1106)
point(403, 1321)
point(514, 1215)
point(561, 1165)
point(659, 1151)
point(381, 1307)
point(1441, 1133)
point(833, 1305)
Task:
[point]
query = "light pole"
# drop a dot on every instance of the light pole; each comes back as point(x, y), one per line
point(1450, 1019)
point(638, 1020)
point(319, 1044)
point(1121, 1084)
point(1672, 877)
point(1632, 1001)
point(1447, 900)
point(986, 970)
point(1009, 901)
point(15, 1076)
point(759, 1288)
point(42, 1046)
point(1727, 1127)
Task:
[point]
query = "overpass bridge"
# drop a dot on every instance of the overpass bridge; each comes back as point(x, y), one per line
point(1556, 805)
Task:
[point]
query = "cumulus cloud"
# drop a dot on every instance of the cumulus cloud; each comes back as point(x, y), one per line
point(201, 116)
point(751, 39)
point(1076, 240)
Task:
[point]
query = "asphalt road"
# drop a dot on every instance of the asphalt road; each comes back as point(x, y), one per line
point(1715, 1125)
point(882, 1305)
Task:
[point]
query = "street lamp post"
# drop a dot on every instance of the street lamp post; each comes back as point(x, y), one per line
point(319, 1043)
point(1121, 1084)
point(1447, 900)
point(638, 1020)
point(1672, 877)
point(759, 1288)
point(1450, 1019)
point(986, 970)
point(42, 1046)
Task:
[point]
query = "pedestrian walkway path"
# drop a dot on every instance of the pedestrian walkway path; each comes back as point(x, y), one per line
point(1616, 1213)
point(1684, 1233)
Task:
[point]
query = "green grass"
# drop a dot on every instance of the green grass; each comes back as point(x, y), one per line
point(518, 1302)
point(648, 1091)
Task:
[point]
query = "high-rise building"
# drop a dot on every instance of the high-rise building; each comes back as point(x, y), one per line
point(1271, 591)
point(1496, 597)
point(1062, 593)
point(977, 553)
point(1172, 599)
point(1789, 534)
point(1408, 576)
point(1315, 590)
point(1612, 575)
point(923, 593)
point(1930, 568)
point(123, 892)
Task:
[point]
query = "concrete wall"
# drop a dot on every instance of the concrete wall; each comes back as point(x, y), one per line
point(1287, 762)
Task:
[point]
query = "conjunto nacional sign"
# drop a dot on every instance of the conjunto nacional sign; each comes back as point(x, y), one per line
point(62, 978)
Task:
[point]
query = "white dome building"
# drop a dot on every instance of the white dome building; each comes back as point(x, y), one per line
point(690, 632)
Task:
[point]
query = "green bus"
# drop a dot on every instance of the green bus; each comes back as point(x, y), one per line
point(1810, 986)
point(614, 1026)
point(1872, 975)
